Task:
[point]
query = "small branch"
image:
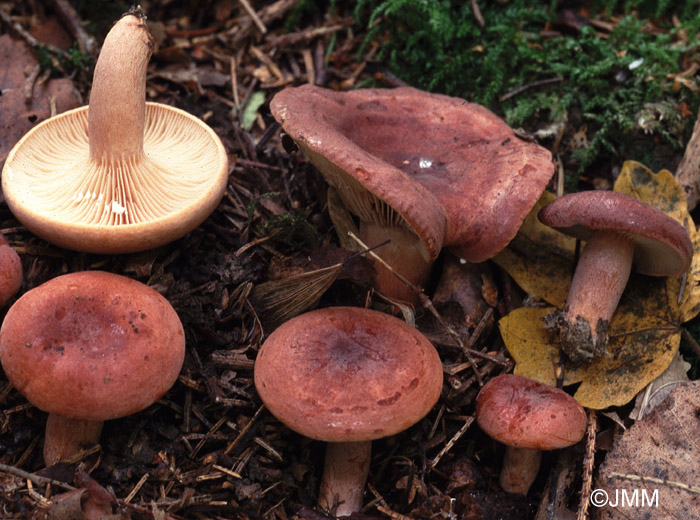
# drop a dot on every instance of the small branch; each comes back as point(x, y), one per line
point(534, 84)
point(251, 12)
point(425, 301)
point(588, 461)
point(31, 41)
point(452, 442)
point(691, 341)
point(86, 42)
point(653, 480)
point(477, 14)
point(37, 479)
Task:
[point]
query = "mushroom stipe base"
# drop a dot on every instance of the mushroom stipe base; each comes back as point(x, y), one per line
point(576, 337)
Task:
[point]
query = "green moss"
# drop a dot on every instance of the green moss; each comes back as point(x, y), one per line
point(614, 82)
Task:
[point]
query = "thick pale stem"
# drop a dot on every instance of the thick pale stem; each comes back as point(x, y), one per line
point(64, 437)
point(520, 467)
point(406, 254)
point(117, 113)
point(344, 477)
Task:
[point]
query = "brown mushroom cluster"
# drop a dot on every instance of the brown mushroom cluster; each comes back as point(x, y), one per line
point(425, 171)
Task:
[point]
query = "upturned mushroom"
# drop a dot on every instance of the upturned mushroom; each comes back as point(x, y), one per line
point(620, 232)
point(527, 417)
point(88, 347)
point(425, 170)
point(347, 376)
point(121, 175)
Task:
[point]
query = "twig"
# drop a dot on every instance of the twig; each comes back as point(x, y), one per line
point(588, 461)
point(691, 340)
point(86, 42)
point(477, 14)
point(136, 488)
point(534, 84)
point(256, 19)
point(425, 301)
point(383, 507)
point(245, 430)
point(34, 478)
point(33, 42)
point(653, 480)
point(29, 83)
point(452, 442)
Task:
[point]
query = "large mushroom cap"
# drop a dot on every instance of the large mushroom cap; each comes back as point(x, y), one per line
point(451, 171)
point(92, 346)
point(53, 187)
point(347, 374)
point(662, 245)
point(523, 413)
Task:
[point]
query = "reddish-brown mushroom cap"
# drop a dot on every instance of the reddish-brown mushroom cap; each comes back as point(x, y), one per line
point(662, 245)
point(347, 374)
point(92, 346)
point(523, 413)
point(11, 276)
point(451, 171)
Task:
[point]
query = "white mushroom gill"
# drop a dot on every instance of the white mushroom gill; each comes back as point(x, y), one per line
point(61, 181)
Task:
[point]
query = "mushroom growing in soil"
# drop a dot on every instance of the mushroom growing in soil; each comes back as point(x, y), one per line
point(425, 170)
point(528, 417)
point(121, 175)
point(347, 376)
point(87, 347)
point(620, 232)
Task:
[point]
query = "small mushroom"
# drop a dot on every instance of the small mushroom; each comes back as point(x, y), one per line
point(87, 347)
point(11, 276)
point(527, 417)
point(425, 170)
point(121, 175)
point(620, 232)
point(347, 376)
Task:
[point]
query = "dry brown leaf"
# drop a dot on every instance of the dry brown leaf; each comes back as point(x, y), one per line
point(280, 300)
point(676, 374)
point(644, 333)
point(656, 457)
point(17, 117)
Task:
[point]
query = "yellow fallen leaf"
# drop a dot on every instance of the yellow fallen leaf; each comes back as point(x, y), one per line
point(644, 333)
point(544, 272)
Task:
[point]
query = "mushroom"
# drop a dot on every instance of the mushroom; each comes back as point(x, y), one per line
point(11, 276)
point(425, 170)
point(619, 231)
point(527, 416)
point(347, 376)
point(121, 175)
point(87, 347)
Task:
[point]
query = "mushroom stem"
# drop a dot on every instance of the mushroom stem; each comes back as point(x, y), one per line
point(344, 477)
point(117, 113)
point(520, 467)
point(598, 283)
point(64, 437)
point(405, 253)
